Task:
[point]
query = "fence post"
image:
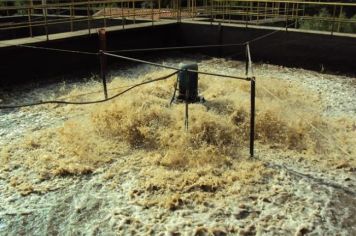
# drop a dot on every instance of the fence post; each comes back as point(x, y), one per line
point(211, 11)
point(152, 13)
point(72, 12)
point(332, 26)
point(186, 120)
point(46, 23)
point(103, 59)
point(88, 15)
point(252, 116)
point(159, 10)
point(29, 22)
point(338, 24)
point(253, 97)
point(286, 9)
point(220, 49)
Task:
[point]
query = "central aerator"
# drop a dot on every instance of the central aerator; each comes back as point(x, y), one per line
point(188, 82)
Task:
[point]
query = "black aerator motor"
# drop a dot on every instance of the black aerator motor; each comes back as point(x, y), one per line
point(188, 83)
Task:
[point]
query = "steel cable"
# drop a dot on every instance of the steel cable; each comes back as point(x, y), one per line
point(87, 102)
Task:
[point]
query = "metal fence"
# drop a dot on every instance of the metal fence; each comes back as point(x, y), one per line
point(324, 16)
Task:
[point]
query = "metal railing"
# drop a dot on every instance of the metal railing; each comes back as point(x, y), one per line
point(33, 15)
point(311, 15)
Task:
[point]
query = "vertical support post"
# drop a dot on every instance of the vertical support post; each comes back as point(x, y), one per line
point(251, 12)
point(122, 15)
point(180, 11)
point(31, 7)
point(247, 15)
point(29, 22)
point(104, 15)
point(223, 10)
point(46, 23)
point(103, 59)
point(258, 13)
point(252, 116)
point(44, 10)
point(159, 10)
point(248, 61)
point(211, 11)
point(134, 12)
point(88, 15)
point(253, 97)
point(286, 9)
point(220, 42)
point(186, 119)
point(266, 9)
point(71, 16)
point(230, 11)
point(333, 24)
point(152, 13)
point(338, 23)
point(296, 16)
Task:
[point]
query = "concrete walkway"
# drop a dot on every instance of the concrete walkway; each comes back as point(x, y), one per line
point(58, 36)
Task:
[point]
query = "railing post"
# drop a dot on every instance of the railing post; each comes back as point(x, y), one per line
point(333, 24)
point(122, 15)
point(103, 59)
point(252, 116)
point(247, 16)
point(104, 15)
point(296, 16)
point(186, 120)
point(152, 15)
point(220, 41)
point(71, 17)
point(88, 15)
point(253, 97)
point(338, 24)
point(286, 9)
point(134, 11)
point(29, 22)
point(46, 23)
point(180, 11)
point(211, 11)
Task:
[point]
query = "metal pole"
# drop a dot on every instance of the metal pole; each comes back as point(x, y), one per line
point(31, 6)
point(286, 12)
point(104, 15)
point(88, 15)
point(152, 15)
point(46, 23)
point(332, 26)
point(338, 25)
point(122, 15)
point(253, 96)
point(211, 11)
point(247, 15)
point(220, 42)
point(252, 116)
point(186, 120)
point(134, 12)
point(103, 59)
point(29, 22)
point(248, 61)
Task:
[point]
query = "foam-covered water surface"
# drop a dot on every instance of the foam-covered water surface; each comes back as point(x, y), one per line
point(128, 166)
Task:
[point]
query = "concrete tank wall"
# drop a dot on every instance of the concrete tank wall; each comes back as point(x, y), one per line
point(22, 65)
point(336, 54)
point(297, 49)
